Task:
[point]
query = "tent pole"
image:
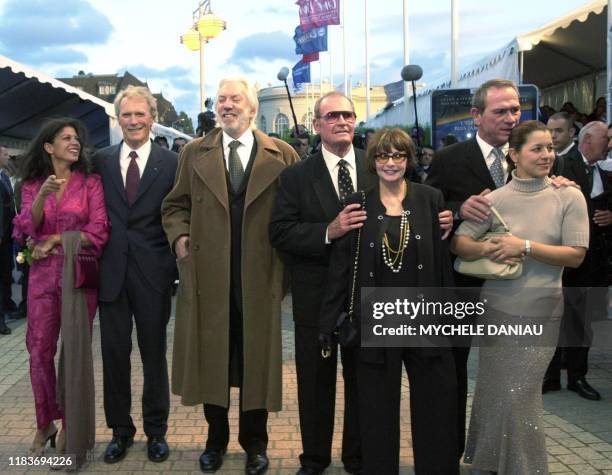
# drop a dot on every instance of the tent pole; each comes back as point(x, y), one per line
point(521, 66)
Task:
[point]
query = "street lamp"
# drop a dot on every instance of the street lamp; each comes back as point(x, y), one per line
point(206, 26)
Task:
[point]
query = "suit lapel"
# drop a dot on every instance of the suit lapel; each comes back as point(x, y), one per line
point(267, 166)
point(324, 187)
point(476, 163)
point(210, 167)
point(150, 172)
point(114, 170)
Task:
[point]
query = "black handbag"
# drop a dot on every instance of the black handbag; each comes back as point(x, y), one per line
point(347, 329)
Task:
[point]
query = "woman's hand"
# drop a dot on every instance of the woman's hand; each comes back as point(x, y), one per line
point(43, 249)
point(508, 249)
point(51, 185)
point(446, 222)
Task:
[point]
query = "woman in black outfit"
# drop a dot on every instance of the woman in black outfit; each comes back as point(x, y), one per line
point(400, 246)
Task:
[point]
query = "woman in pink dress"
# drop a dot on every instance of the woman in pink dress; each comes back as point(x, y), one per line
point(59, 194)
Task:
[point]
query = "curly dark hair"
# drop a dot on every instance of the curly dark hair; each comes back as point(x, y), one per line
point(36, 162)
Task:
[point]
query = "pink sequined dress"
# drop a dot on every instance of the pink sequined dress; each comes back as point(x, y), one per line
point(81, 208)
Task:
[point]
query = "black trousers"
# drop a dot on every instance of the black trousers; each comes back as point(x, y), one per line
point(151, 312)
point(316, 378)
point(461, 355)
point(252, 425)
point(6, 267)
point(433, 411)
point(581, 305)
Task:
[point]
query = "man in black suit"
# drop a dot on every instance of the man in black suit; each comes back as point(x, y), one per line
point(307, 218)
point(136, 275)
point(586, 287)
point(563, 130)
point(466, 172)
point(7, 213)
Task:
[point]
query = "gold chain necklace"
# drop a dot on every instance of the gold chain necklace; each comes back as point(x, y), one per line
point(393, 259)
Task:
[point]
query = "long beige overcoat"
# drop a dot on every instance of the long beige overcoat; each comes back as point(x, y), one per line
point(198, 206)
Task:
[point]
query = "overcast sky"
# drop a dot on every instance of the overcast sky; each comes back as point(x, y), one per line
point(64, 36)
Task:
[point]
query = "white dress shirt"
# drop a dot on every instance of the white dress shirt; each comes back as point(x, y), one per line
point(244, 149)
point(333, 164)
point(143, 153)
point(597, 183)
point(487, 153)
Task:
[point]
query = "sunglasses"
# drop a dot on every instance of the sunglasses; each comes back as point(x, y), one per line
point(397, 157)
point(334, 116)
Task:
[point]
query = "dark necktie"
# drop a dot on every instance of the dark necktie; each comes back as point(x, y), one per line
point(497, 168)
point(345, 183)
point(590, 170)
point(236, 171)
point(132, 178)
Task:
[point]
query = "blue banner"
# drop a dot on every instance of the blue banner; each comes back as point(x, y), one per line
point(311, 41)
point(301, 73)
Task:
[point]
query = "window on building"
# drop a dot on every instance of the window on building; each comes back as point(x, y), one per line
point(307, 120)
point(263, 125)
point(107, 89)
point(281, 124)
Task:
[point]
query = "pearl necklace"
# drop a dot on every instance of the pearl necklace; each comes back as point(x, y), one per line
point(393, 259)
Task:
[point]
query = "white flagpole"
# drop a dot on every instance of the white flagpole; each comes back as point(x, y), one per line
point(320, 76)
point(346, 91)
point(406, 49)
point(454, 42)
point(367, 60)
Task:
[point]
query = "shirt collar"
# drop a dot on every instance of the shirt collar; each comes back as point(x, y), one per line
point(246, 139)
point(143, 151)
point(332, 160)
point(486, 147)
point(566, 149)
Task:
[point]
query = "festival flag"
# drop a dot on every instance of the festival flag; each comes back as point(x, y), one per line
point(317, 13)
point(311, 41)
point(309, 58)
point(301, 73)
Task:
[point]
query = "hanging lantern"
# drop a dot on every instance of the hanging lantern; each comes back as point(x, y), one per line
point(191, 40)
point(210, 26)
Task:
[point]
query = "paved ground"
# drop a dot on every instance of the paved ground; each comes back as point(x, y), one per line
point(579, 432)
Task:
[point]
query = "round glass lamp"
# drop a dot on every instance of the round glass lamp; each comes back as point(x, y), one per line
point(191, 40)
point(210, 26)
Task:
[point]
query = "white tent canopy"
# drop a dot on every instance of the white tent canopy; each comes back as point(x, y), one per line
point(566, 59)
point(29, 97)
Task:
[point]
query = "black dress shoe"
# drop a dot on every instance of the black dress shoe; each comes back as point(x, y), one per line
point(584, 389)
point(211, 460)
point(308, 471)
point(4, 329)
point(157, 448)
point(551, 385)
point(17, 314)
point(117, 448)
point(256, 464)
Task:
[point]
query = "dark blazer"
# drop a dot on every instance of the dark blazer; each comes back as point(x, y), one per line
point(7, 208)
point(593, 270)
point(137, 230)
point(459, 171)
point(433, 263)
point(561, 160)
point(306, 203)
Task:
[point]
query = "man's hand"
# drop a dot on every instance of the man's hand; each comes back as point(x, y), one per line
point(561, 182)
point(446, 222)
point(602, 217)
point(476, 207)
point(181, 247)
point(351, 217)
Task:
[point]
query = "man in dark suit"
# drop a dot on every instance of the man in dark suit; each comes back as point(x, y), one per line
point(563, 130)
point(7, 213)
point(586, 287)
point(308, 216)
point(466, 172)
point(136, 274)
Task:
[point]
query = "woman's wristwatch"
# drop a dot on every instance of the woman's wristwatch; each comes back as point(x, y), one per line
point(527, 247)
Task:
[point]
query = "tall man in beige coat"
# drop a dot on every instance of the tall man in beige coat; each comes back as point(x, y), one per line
point(228, 303)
